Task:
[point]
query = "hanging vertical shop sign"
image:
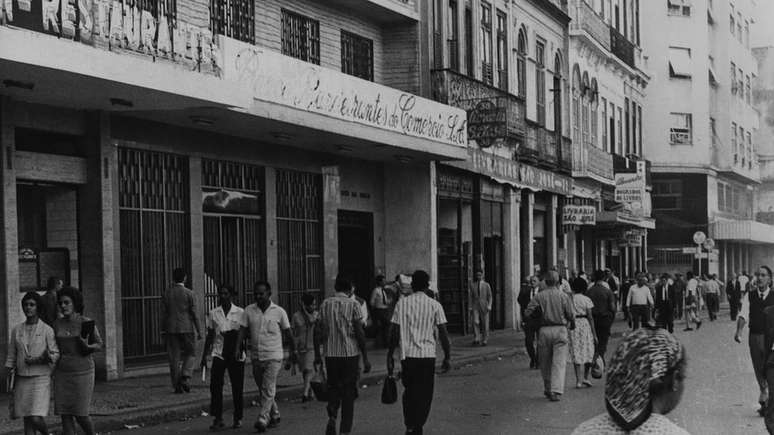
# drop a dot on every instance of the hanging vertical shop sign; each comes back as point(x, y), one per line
point(486, 123)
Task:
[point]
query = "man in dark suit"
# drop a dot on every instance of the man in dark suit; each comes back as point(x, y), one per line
point(528, 291)
point(665, 303)
point(768, 314)
point(679, 286)
point(734, 295)
point(178, 323)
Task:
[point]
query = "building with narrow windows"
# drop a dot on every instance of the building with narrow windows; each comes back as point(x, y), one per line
point(506, 64)
point(608, 80)
point(700, 124)
point(280, 140)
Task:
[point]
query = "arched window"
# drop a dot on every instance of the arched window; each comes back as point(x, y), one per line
point(585, 99)
point(576, 94)
point(594, 100)
point(557, 91)
point(521, 62)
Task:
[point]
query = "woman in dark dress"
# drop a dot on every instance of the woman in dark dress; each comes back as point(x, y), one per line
point(78, 339)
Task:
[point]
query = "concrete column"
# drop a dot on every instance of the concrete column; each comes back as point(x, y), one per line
point(410, 230)
point(528, 248)
point(602, 253)
point(625, 271)
point(645, 251)
point(512, 259)
point(97, 200)
point(197, 235)
point(272, 254)
point(551, 231)
point(566, 248)
point(10, 309)
point(331, 205)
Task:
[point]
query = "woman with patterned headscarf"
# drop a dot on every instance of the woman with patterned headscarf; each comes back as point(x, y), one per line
point(644, 383)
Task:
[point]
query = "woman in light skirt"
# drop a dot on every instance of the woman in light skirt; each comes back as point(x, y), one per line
point(583, 338)
point(32, 353)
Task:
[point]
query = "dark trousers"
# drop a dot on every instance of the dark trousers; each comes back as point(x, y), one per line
point(602, 325)
point(666, 319)
point(382, 320)
point(713, 305)
point(639, 315)
point(769, 415)
point(530, 334)
point(236, 374)
point(418, 380)
point(342, 388)
point(679, 302)
point(758, 354)
point(182, 355)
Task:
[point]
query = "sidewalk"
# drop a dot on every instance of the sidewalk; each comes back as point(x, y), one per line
point(149, 400)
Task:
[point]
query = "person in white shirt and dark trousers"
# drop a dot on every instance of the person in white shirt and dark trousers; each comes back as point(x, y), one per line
point(223, 349)
point(753, 305)
point(640, 301)
point(381, 307)
point(413, 330)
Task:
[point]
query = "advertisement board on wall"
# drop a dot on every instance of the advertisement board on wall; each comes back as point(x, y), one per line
point(579, 215)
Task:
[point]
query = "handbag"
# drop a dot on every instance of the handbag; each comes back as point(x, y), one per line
point(10, 385)
point(319, 384)
point(598, 369)
point(389, 390)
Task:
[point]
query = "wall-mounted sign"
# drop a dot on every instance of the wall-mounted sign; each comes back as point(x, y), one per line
point(27, 254)
point(579, 215)
point(629, 188)
point(545, 180)
point(487, 123)
point(119, 25)
point(632, 238)
point(271, 77)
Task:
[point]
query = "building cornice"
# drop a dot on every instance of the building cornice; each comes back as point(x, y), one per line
point(553, 10)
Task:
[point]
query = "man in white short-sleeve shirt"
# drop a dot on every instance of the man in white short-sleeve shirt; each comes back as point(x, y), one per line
point(267, 325)
point(413, 329)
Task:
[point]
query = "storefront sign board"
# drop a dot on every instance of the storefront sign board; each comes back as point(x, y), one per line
point(579, 215)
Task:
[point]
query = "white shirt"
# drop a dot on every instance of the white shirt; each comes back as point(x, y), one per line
point(639, 296)
point(363, 309)
point(220, 323)
point(692, 285)
point(266, 331)
point(743, 280)
point(745, 311)
point(418, 315)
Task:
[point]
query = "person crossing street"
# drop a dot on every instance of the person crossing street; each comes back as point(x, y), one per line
point(480, 305)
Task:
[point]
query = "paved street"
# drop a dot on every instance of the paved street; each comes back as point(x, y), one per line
point(503, 397)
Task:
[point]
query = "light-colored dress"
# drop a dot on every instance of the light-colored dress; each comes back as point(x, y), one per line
point(581, 338)
point(303, 331)
point(656, 424)
point(32, 386)
point(74, 375)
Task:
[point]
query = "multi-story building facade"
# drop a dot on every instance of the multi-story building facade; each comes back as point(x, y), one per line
point(286, 141)
point(763, 97)
point(608, 85)
point(700, 123)
point(506, 64)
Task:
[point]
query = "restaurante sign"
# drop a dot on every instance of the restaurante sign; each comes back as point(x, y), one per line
point(275, 78)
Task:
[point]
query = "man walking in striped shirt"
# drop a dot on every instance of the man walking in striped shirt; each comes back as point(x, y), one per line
point(413, 325)
point(340, 331)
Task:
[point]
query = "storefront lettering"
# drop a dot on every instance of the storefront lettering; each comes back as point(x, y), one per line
point(287, 81)
point(579, 215)
point(545, 180)
point(118, 25)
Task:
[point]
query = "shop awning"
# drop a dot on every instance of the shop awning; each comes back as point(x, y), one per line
point(619, 217)
point(748, 231)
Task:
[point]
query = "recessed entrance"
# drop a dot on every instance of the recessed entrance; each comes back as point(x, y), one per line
point(356, 249)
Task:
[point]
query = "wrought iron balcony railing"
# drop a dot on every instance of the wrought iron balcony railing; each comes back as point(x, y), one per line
point(621, 47)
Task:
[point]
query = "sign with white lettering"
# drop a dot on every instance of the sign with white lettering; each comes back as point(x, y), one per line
point(579, 215)
point(272, 77)
point(629, 188)
point(486, 123)
point(545, 180)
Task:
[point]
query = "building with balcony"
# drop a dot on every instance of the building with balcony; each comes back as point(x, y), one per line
point(505, 64)
point(700, 121)
point(608, 86)
point(287, 142)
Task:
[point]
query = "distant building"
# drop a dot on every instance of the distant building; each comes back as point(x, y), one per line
point(700, 124)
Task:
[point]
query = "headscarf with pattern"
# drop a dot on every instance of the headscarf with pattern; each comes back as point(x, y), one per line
point(643, 356)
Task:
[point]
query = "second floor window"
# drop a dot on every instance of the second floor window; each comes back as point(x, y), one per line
point(486, 43)
point(540, 81)
point(300, 37)
point(454, 36)
point(357, 56)
point(502, 51)
point(233, 18)
point(734, 147)
point(748, 90)
point(734, 90)
point(521, 63)
point(681, 129)
point(679, 7)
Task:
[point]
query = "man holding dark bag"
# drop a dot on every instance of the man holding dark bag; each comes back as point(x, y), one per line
point(413, 329)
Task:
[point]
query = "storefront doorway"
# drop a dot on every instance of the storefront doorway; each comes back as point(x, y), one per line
point(356, 250)
point(48, 234)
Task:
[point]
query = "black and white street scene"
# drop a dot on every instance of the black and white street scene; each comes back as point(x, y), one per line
point(537, 217)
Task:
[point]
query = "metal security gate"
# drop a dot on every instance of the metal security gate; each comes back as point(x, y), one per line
point(299, 236)
point(234, 228)
point(155, 239)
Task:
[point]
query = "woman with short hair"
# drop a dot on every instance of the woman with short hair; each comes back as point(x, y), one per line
point(583, 338)
point(644, 383)
point(32, 353)
point(77, 338)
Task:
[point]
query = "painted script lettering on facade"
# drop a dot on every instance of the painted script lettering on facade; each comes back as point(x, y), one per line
point(117, 25)
point(275, 78)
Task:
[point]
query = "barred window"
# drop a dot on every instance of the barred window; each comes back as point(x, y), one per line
point(233, 18)
point(357, 56)
point(681, 131)
point(486, 43)
point(540, 82)
point(300, 37)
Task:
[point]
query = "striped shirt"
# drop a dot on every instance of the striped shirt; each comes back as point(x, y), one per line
point(338, 315)
point(418, 315)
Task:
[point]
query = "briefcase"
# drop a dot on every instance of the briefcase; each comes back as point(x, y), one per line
point(389, 391)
